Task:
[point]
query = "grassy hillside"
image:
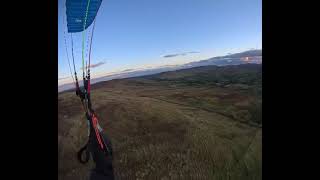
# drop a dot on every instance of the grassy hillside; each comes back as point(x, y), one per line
point(199, 123)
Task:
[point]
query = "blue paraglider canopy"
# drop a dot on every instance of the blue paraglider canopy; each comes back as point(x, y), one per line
point(81, 14)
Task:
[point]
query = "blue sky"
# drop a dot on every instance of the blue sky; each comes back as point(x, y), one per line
point(138, 33)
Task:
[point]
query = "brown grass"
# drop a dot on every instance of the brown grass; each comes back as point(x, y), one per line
point(163, 132)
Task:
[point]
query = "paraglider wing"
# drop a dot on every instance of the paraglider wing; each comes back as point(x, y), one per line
point(78, 18)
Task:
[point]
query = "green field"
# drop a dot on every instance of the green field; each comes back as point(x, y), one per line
point(199, 123)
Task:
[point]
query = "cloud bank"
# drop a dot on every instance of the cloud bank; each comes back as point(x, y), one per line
point(96, 65)
point(179, 54)
point(61, 78)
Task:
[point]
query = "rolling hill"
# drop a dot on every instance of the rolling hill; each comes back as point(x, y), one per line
point(254, 57)
point(198, 123)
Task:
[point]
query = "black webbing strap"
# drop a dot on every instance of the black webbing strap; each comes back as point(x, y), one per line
point(87, 154)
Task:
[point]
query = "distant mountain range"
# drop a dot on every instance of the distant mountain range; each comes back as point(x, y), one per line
point(246, 57)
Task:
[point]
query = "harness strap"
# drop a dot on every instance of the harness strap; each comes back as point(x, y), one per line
point(95, 126)
point(87, 154)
